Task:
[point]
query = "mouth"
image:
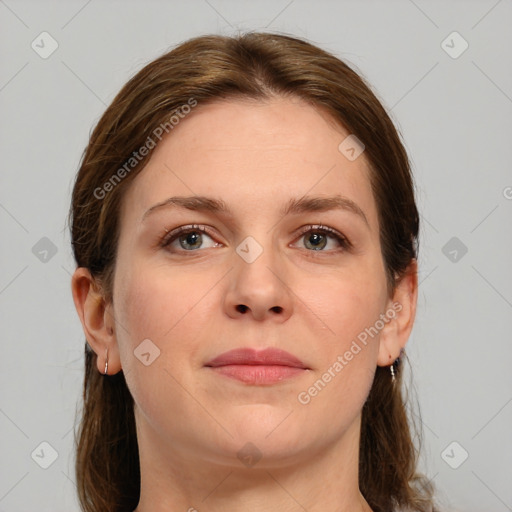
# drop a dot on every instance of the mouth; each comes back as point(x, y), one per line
point(253, 367)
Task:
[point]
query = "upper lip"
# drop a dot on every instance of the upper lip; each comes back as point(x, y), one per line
point(249, 356)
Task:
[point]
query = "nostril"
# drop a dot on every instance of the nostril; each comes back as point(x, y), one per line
point(242, 308)
point(277, 309)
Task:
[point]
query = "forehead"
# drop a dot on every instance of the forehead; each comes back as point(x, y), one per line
point(253, 153)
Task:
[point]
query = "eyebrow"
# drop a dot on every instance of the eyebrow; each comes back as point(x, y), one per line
point(294, 206)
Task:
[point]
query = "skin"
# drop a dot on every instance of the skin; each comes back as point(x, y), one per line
point(192, 422)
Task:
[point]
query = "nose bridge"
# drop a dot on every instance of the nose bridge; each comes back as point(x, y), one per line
point(257, 260)
point(258, 278)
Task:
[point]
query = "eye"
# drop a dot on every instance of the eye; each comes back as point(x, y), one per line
point(317, 238)
point(189, 239)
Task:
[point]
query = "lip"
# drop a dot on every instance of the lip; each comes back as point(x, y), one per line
point(249, 356)
point(257, 367)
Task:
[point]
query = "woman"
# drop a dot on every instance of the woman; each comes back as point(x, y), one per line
point(245, 233)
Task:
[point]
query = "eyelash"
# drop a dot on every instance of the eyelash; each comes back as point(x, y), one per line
point(344, 243)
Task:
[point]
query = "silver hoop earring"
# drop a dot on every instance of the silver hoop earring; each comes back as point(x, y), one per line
point(106, 363)
point(396, 363)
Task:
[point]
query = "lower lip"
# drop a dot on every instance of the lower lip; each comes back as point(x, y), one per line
point(258, 374)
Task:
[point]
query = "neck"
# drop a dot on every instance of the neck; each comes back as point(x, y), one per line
point(320, 479)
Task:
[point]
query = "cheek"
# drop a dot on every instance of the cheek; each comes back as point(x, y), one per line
point(344, 303)
point(163, 307)
point(346, 357)
point(348, 305)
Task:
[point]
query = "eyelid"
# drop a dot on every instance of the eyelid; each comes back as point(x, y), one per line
point(171, 235)
point(342, 239)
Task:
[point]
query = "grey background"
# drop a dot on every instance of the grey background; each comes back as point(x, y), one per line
point(455, 117)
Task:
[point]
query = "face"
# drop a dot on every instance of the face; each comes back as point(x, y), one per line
point(194, 283)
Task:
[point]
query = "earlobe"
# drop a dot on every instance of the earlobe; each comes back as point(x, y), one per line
point(94, 315)
point(396, 333)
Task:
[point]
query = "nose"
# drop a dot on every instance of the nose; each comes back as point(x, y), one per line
point(259, 288)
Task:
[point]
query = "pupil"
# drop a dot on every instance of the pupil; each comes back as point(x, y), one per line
point(317, 239)
point(192, 238)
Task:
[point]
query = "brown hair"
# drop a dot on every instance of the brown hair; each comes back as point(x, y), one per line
point(202, 70)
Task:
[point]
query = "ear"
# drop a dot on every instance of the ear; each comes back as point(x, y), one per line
point(97, 320)
point(395, 334)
